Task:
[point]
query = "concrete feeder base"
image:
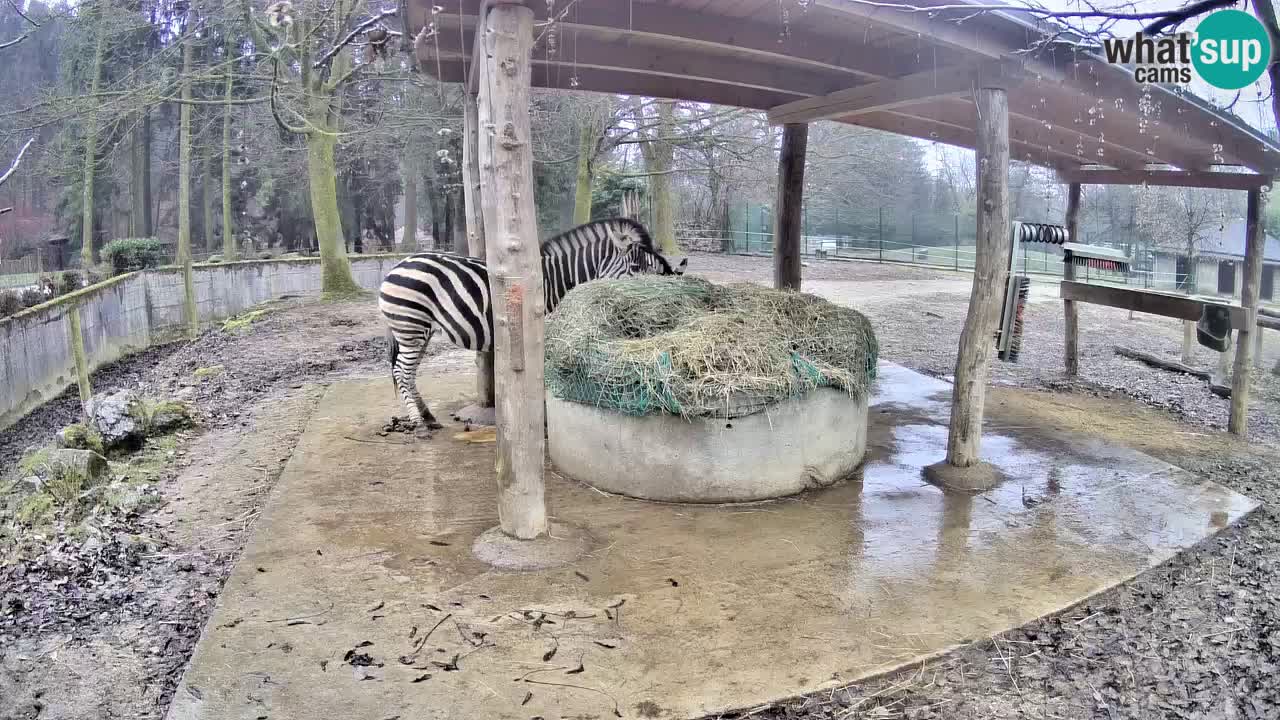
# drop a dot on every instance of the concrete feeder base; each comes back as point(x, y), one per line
point(800, 444)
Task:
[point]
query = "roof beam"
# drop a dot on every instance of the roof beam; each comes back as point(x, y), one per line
point(697, 31)
point(914, 23)
point(892, 93)
point(961, 136)
point(1174, 178)
point(623, 82)
point(643, 57)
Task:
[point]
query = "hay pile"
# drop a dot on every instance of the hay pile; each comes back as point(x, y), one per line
point(683, 346)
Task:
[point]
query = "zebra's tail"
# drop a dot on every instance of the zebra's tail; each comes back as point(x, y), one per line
point(393, 348)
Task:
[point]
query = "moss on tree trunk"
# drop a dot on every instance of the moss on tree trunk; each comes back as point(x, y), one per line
point(336, 275)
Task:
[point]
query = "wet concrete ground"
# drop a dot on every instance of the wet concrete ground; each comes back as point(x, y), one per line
point(676, 611)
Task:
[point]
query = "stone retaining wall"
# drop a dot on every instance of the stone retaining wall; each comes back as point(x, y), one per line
point(131, 312)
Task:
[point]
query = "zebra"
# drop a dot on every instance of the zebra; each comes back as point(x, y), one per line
point(451, 292)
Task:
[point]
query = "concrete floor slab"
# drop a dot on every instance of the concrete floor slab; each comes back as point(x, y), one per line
point(359, 596)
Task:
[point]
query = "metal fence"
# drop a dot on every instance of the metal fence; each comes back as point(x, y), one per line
point(957, 256)
point(20, 273)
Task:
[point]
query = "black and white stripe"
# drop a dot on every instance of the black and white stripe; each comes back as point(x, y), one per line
point(442, 290)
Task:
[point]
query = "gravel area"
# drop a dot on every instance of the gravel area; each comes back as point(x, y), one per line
point(101, 630)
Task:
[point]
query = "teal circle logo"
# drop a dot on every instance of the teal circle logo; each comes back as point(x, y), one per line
point(1232, 49)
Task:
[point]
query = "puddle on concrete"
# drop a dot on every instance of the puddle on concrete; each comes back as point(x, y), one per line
point(763, 600)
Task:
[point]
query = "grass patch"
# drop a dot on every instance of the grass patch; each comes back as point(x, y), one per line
point(207, 372)
point(243, 320)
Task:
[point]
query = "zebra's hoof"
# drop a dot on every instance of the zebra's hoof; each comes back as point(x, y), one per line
point(425, 431)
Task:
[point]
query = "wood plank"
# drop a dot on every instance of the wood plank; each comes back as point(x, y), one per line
point(886, 94)
point(1255, 238)
point(1170, 178)
point(1161, 363)
point(1147, 301)
point(973, 358)
point(788, 219)
point(515, 267)
point(1071, 338)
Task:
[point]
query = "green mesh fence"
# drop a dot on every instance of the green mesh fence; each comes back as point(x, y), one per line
point(687, 347)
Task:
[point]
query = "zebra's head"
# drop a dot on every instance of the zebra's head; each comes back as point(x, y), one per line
point(636, 251)
point(652, 262)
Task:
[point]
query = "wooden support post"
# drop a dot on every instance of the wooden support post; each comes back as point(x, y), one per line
point(787, 216)
point(474, 216)
point(991, 265)
point(515, 265)
point(1071, 339)
point(1257, 348)
point(1188, 342)
point(1238, 422)
point(1222, 374)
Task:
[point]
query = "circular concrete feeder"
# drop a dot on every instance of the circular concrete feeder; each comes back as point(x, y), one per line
point(807, 442)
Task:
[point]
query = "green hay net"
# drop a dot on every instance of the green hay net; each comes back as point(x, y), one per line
point(683, 346)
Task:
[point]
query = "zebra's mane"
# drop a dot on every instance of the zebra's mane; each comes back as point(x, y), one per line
point(643, 240)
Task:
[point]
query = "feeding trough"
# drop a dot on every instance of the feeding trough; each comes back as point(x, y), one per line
point(676, 389)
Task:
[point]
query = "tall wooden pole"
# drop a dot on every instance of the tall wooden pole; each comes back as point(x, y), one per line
point(787, 216)
point(515, 265)
point(475, 228)
point(991, 266)
point(1071, 340)
point(1238, 421)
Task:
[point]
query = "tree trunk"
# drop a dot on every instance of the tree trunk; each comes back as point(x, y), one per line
point(207, 199)
point(184, 196)
point(228, 230)
point(475, 229)
point(91, 153)
point(433, 202)
point(457, 211)
point(409, 240)
point(335, 269)
point(140, 178)
point(990, 272)
point(663, 155)
point(582, 191)
point(515, 267)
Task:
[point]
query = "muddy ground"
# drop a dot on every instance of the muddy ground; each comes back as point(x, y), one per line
point(104, 629)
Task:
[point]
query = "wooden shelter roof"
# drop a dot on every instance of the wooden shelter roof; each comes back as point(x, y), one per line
point(909, 73)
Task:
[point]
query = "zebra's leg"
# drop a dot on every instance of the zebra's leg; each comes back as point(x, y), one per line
point(406, 353)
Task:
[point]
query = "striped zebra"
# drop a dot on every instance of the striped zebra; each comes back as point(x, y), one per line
point(442, 290)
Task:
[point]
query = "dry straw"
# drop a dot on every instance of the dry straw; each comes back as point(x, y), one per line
point(684, 346)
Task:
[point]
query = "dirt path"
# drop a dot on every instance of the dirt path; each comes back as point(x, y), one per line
point(103, 627)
